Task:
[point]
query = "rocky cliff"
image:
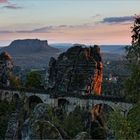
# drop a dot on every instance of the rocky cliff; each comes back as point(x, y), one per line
point(78, 70)
point(6, 65)
point(40, 125)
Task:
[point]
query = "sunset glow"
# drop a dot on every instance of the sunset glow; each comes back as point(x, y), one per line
point(92, 22)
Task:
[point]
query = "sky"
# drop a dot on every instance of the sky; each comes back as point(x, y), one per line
point(68, 21)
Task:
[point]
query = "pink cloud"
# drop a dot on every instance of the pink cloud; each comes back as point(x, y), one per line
point(3, 1)
point(9, 5)
point(99, 34)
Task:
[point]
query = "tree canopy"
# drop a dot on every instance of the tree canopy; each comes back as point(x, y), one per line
point(33, 80)
point(128, 127)
point(132, 84)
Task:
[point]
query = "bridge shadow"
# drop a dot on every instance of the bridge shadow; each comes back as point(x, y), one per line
point(32, 101)
point(63, 104)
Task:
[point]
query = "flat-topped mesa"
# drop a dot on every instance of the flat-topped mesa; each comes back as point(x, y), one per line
point(31, 53)
point(78, 70)
point(30, 45)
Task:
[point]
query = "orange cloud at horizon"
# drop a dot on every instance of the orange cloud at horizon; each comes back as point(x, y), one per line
point(98, 34)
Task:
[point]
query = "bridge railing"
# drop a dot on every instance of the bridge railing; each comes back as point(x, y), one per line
point(91, 96)
point(24, 89)
point(70, 94)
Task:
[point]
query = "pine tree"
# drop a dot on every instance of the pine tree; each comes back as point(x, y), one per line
point(132, 84)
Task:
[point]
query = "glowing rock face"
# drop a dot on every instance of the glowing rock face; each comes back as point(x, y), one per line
point(97, 82)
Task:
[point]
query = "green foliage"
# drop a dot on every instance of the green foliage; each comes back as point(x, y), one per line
point(52, 117)
point(33, 80)
point(6, 109)
point(97, 132)
point(133, 51)
point(129, 127)
point(133, 54)
point(132, 84)
point(134, 117)
point(122, 126)
point(15, 82)
point(73, 124)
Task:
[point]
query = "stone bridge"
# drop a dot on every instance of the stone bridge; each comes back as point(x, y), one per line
point(68, 102)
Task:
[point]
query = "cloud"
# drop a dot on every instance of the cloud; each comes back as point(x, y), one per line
point(12, 6)
point(96, 16)
point(43, 29)
point(49, 29)
point(5, 31)
point(9, 5)
point(118, 19)
point(3, 1)
point(46, 29)
point(99, 34)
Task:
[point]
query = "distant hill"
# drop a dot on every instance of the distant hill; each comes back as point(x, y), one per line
point(62, 46)
point(35, 53)
point(109, 52)
point(29, 46)
point(31, 53)
point(115, 49)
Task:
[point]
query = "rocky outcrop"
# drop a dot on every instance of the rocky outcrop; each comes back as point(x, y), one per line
point(12, 127)
point(39, 126)
point(41, 129)
point(14, 120)
point(82, 136)
point(6, 65)
point(78, 70)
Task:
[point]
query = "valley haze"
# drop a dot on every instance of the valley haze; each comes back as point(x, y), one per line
point(35, 53)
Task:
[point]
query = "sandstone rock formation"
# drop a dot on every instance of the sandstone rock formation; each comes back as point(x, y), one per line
point(6, 65)
point(82, 136)
point(38, 125)
point(78, 70)
point(41, 129)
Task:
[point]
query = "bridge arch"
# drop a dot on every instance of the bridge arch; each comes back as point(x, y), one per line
point(63, 103)
point(33, 100)
point(7, 95)
point(132, 110)
point(15, 97)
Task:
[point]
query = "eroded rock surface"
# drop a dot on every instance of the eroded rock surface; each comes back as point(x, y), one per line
point(83, 136)
point(38, 125)
point(77, 70)
point(6, 65)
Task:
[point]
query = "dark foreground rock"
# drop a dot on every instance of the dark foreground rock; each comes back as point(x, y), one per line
point(83, 136)
point(38, 125)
